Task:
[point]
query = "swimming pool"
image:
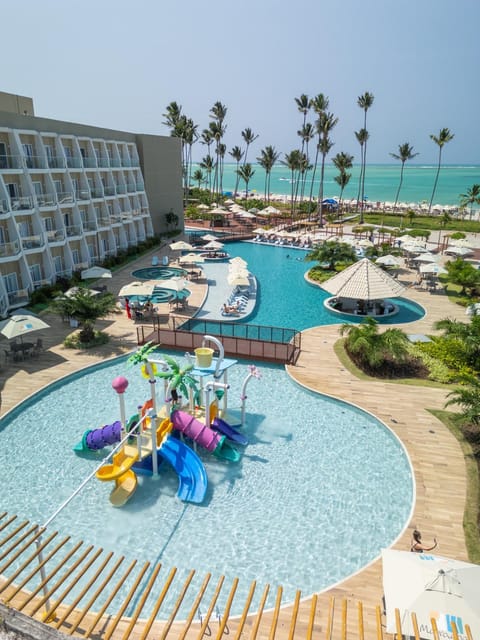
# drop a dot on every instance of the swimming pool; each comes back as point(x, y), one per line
point(286, 299)
point(158, 273)
point(320, 489)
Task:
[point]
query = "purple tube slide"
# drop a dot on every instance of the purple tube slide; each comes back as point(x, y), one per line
point(107, 435)
point(196, 430)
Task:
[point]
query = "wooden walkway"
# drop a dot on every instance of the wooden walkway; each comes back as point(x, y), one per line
point(351, 609)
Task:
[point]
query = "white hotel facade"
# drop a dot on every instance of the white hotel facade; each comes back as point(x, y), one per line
point(72, 195)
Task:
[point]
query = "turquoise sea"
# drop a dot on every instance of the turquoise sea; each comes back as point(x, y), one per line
point(381, 182)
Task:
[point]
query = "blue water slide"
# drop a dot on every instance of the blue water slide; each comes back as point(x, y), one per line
point(192, 476)
point(232, 434)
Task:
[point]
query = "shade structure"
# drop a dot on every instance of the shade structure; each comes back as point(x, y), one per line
point(260, 231)
point(213, 245)
point(364, 243)
point(175, 284)
point(137, 289)
point(431, 587)
point(459, 252)
point(20, 324)
point(95, 272)
point(415, 247)
point(238, 280)
point(181, 245)
point(218, 211)
point(388, 261)
point(191, 257)
point(70, 293)
point(426, 257)
point(432, 267)
point(238, 261)
point(462, 242)
point(363, 280)
point(209, 237)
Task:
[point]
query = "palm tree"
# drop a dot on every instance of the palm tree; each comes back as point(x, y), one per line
point(246, 173)
point(249, 137)
point(364, 101)
point(470, 198)
point(332, 252)
point(267, 160)
point(319, 104)
point(342, 162)
point(405, 152)
point(293, 161)
point(208, 163)
point(174, 111)
point(306, 133)
point(86, 309)
point(373, 348)
point(198, 177)
point(237, 155)
point(218, 113)
point(362, 137)
point(467, 334)
point(441, 140)
point(468, 397)
point(326, 122)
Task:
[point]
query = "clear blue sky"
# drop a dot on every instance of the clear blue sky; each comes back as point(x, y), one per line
point(118, 64)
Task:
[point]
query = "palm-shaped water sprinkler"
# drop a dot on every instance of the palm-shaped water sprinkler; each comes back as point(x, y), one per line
point(179, 380)
point(253, 372)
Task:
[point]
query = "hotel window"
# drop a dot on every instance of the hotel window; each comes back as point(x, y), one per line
point(35, 272)
point(91, 250)
point(28, 152)
point(83, 152)
point(58, 186)
point(12, 188)
point(49, 152)
point(49, 224)
point(67, 219)
point(11, 282)
point(38, 188)
point(3, 156)
point(58, 262)
point(2, 236)
point(76, 256)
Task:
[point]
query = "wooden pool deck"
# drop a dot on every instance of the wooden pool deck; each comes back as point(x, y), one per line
point(351, 609)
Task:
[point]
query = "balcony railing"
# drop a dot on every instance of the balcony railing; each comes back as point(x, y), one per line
point(56, 162)
point(64, 273)
point(65, 197)
point(140, 186)
point(89, 163)
point(121, 188)
point(11, 162)
point(33, 242)
point(35, 162)
point(126, 162)
point(96, 192)
point(82, 194)
point(78, 266)
point(22, 204)
point(89, 225)
point(103, 162)
point(3, 206)
point(46, 199)
point(40, 283)
point(109, 191)
point(74, 163)
point(73, 230)
point(103, 221)
point(55, 235)
point(9, 249)
point(18, 297)
point(131, 187)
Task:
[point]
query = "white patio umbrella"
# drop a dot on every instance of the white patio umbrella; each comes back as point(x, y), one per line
point(175, 284)
point(213, 245)
point(238, 280)
point(137, 289)
point(260, 231)
point(181, 245)
point(209, 237)
point(431, 587)
point(238, 261)
point(95, 272)
point(364, 243)
point(203, 206)
point(191, 257)
point(460, 252)
point(20, 324)
point(246, 214)
point(426, 257)
point(462, 242)
point(432, 267)
point(414, 247)
point(388, 261)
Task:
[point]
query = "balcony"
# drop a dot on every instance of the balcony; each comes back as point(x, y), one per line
point(140, 186)
point(32, 242)
point(73, 230)
point(22, 204)
point(18, 297)
point(8, 249)
point(78, 266)
point(109, 191)
point(64, 273)
point(103, 221)
point(89, 225)
point(131, 187)
point(96, 192)
point(56, 162)
point(65, 197)
point(74, 163)
point(55, 235)
point(46, 199)
point(35, 162)
point(121, 188)
point(4, 207)
point(103, 162)
point(126, 162)
point(82, 194)
point(11, 162)
point(41, 283)
point(89, 163)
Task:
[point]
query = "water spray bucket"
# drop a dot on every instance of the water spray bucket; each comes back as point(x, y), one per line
point(203, 357)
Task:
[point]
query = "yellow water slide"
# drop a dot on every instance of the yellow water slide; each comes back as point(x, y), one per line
point(125, 479)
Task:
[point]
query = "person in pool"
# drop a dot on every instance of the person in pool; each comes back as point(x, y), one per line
point(417, 545)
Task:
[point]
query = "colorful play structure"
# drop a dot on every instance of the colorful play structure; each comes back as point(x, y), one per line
point(193, 413)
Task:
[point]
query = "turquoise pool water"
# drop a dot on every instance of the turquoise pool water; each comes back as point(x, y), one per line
point(320, 489)
point(158, 273)
point(286, 299)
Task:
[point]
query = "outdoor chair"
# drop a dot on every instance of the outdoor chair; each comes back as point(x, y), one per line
point(155, 261)
point(38, 347)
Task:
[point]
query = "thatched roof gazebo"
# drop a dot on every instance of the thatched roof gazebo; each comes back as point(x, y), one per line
point(363, 289)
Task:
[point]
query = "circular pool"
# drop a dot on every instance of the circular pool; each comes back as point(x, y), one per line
point(320, 489)
point(158, 273)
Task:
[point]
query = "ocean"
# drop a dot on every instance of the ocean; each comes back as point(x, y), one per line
point(381, 182)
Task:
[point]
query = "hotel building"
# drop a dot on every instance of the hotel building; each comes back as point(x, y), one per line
point(72, 195)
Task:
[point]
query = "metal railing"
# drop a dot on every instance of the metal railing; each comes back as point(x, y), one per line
point(9, 249)
point(56, 162)
point(82, 194)
point(22, 204)
point(74, 163)
point(35, 162)
point(33, 241)
point(96, 192)
point(89, 163)
point(73, 230)
point(65, 197)
point(109, 191)
point(55, 235)
point(10, 162)
point(18, 297)
point(46, 199)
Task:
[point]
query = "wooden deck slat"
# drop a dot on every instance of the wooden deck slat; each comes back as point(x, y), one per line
point(293, 619)
point(13, 533)
point(18, 545)
point(175, 608)
point(226, 613)
point(48, 578)
point(143, 598)
point(194, 607)
point(378, 619)
point(311, 619)
point(259, 613)
point(7, 523)
point(276, 613)
point(206, 621)
point(246, 608)
point(111, 628)
point(81, 614)
point(61, 619)
point(344, 620)
point(113, 593)
point(331, 614)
